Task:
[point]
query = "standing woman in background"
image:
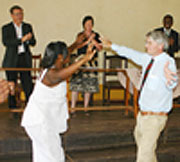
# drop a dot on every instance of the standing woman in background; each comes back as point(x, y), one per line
point(86, 82)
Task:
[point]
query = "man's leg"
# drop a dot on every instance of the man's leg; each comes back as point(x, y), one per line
point(25, 76)
point(147, 132)
point(26, 81)
point(137, 130)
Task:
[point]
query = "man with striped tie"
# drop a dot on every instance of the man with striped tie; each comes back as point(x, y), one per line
point(155, 95)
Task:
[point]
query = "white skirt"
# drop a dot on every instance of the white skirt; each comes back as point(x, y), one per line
point(46, 145)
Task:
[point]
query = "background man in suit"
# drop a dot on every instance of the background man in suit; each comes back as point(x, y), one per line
point(172, 34)
point(17, 36)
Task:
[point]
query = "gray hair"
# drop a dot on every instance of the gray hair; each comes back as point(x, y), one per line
point(160, 38)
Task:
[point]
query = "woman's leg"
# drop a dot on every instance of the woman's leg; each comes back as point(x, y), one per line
point(74, 99)
point(46, 145)
point(87, 96)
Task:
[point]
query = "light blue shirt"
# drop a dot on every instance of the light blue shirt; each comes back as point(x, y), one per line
point(156, 96)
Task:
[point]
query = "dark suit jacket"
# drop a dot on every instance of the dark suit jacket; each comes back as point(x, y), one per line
point(174, 35)
point(11, 42)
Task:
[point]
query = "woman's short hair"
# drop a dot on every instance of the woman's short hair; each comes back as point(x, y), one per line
point(52, 51)
point(160, 38)
point(87, 18)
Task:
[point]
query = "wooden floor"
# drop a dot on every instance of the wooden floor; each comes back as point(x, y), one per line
point(90, 138)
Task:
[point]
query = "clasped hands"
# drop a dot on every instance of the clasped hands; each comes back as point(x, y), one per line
point(26, 37)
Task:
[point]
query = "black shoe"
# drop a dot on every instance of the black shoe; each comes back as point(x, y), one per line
point(87, 113)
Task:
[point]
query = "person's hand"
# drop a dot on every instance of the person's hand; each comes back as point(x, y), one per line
point(89, 53)
point(26, 37)
point(29, 36)
point(80, 38)
point(90, 39)
point(5, 88)
point(105, 42)
point(171, 41)
point(170, 76)
point(97, 45)
point(11, 88)
point(92, 36)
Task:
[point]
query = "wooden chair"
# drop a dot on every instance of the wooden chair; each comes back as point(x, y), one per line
point(177, 60)
point(112, 62)
point(36, 60)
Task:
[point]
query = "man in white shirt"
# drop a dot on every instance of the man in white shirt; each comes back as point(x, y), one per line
point(17, 37)
point(155, 98)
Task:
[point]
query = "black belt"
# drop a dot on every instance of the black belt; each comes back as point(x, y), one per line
point(22, 53)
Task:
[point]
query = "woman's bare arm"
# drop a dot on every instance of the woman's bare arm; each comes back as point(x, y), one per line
point(79, 40)
point(97, 45)
point(54, 76)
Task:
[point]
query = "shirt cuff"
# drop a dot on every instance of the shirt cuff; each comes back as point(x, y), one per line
point(114, 46)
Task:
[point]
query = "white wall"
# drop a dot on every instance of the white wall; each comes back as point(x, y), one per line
point(124, 22)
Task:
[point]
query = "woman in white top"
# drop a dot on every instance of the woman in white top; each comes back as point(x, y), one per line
point(46, 113)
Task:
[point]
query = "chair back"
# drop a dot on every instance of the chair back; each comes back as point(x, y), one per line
point(177, 60)
point(113, 62)
point(36, 60)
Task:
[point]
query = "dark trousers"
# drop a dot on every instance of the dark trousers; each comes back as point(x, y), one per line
point(25, 77)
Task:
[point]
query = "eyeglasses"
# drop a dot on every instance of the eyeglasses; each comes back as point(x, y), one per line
point(18, 14)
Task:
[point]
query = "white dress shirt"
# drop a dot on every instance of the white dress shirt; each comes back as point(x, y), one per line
point(19, 34)
point(156, 96)
point(167, 31)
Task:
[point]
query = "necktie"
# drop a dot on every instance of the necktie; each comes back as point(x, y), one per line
point(146, 75)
